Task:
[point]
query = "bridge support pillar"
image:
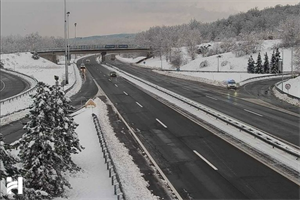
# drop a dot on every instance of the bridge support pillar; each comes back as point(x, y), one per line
point(103, 56)
point(51, 57)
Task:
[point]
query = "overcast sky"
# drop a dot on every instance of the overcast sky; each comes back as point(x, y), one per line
point(103, 17)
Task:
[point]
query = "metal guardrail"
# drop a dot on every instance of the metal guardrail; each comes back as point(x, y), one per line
point(228, 120)
point(22, 93)
point(115, 180)
point(282, 92)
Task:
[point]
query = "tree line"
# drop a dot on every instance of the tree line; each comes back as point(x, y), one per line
point(274, 66)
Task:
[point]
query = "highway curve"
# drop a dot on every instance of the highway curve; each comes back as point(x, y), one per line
point(11, 85)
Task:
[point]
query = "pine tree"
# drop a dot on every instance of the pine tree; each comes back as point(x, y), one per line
point(277, 60)
point(42, 166)
point(66, 140)
point(7, 168)
point(251, 66)
point(273, 64)
point(259, 68)
point(266, 66)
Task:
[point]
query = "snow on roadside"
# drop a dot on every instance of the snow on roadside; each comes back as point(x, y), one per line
point(295, 87)
point(130, 60)
point(93, 181)
point(134, 185)
point(41, 69)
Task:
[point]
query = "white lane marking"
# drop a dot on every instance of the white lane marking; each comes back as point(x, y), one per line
point(125, 93)
point(161, 123)
point(253, 112)
point(109, 80)
point(3, 85)
point(139, 104)
point(200, 156)
point(116, 85)
point(211, 97)
point(103, 74)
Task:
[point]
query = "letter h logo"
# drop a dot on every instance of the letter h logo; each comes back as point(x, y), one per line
point(14, 185)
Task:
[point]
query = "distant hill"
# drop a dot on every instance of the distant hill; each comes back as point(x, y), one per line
point(105, 39)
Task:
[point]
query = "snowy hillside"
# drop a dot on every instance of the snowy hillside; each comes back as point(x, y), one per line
point(41, 69)
point(227, 62)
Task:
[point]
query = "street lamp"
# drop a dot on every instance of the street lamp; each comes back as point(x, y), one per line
point(218, 56)
point(68, 14)
point(66, 44)
point(75, 24)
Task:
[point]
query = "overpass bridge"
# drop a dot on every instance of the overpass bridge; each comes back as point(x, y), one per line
point(51, 54)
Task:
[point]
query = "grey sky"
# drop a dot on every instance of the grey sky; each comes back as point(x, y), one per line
point(102, 17)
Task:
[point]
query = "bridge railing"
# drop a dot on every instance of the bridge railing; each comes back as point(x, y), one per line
point(96, 47)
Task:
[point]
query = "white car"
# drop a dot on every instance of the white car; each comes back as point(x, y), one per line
point(231, 84)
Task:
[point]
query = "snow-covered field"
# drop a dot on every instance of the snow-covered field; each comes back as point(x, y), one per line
point(295, 87)
point(93, 181)
point(227, 62)
point(41, 69)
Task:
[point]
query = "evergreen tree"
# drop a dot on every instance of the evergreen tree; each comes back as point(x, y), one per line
point(66, 140)
point(266, 66)
point(42, 165)
point(251, 66)
point(277, 60)
point(273, 64)
point(7, 168)
point(259, 68)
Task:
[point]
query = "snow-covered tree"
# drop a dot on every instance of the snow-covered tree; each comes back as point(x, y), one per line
point(193, 38)
point(274, 65)
point(266, 65)
point(66, 139)
point(250, 68)
point(177, 59)
point(42, 165)
point(277, 59)
point(258, 66)
point(297, 58)
point(7, 168)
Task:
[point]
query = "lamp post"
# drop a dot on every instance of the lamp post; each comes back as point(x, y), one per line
point(75, 24)
point(66, 44)
point(68, 14)
point(218, 56)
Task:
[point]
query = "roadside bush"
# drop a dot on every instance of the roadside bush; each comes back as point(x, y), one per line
point(203, 64)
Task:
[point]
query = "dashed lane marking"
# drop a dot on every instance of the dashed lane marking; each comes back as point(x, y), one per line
point(200, 156)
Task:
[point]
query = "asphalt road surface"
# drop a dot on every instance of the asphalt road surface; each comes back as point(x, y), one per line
point(11, 85)
point(14, 130)
point(199, 164)
point(280, 120)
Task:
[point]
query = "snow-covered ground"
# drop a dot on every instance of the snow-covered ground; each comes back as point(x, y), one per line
point(130, 60)
point(295, 87)
point(227, 62)
point(93, 181)
point(41, 69)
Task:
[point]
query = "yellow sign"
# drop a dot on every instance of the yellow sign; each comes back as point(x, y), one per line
point(90, 104)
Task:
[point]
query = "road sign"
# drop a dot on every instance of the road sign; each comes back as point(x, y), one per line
point(287, 86)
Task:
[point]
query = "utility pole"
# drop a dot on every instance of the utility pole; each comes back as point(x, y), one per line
point(68, 14)
point(66, 45)
point(75, 39)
